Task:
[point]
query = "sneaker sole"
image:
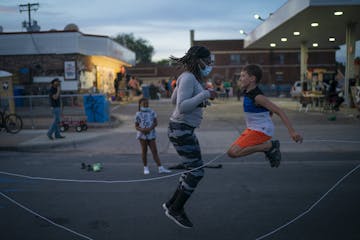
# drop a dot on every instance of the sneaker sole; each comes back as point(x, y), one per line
point(164, 207)
point(274, 162)
point(175, 221)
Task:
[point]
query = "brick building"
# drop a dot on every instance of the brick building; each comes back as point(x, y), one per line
point(35, 58)
point(78, 60)
point(281, 66)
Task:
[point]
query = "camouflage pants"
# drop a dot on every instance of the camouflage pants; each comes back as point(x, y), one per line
point(186, 144)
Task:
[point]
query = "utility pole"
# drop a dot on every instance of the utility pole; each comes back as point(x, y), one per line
point(28, 8)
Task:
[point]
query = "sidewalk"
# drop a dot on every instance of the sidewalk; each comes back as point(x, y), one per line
point(209, 133)
point(36, 139)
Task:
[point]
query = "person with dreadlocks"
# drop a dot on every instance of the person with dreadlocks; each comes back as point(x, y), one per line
point(189, 98)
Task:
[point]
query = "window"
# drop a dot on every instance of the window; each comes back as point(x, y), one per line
point(281, 59)
point(213, 58)
point(279, 76)
point(235, 59)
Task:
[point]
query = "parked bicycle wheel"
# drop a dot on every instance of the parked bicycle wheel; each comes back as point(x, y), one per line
point(2, 120)
point(13, 123)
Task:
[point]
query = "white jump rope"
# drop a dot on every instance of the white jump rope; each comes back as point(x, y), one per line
point(153, 179)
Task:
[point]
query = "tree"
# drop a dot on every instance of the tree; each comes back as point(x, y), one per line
point(143, 50)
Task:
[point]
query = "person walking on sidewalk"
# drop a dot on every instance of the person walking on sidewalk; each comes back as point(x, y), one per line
point(189, 98)
point(55, 103)
point(145, 123)
point(259, 126)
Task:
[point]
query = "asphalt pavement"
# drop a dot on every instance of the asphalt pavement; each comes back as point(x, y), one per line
point(314, 194)
point(223, 120)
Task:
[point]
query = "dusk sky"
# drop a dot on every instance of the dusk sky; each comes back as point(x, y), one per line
point(164, 24)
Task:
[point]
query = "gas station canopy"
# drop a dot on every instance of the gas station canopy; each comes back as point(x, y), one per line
point(294, 20)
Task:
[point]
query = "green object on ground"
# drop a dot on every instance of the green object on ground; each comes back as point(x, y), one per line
point(96, 167)
point(332, 118)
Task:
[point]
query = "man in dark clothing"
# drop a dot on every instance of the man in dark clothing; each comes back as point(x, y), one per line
point(333, 95)
point(55, 103)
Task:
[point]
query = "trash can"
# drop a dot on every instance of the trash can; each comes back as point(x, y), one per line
point(19, 91)
point(146, 91)
point(96, 108)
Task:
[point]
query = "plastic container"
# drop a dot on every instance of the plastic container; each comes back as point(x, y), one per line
point(146, 91)
point(96, 108)
point(19, 91)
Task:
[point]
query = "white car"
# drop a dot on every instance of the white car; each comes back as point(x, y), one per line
point(296, 89)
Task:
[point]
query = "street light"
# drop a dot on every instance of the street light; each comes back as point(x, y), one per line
point(338, 13)
point(257, 16)
point(243, 32)
point(314, 24)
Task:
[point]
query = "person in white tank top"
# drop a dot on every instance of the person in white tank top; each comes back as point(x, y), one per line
point(259, 126)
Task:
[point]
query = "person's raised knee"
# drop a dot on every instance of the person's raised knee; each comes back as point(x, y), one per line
point(231, 154)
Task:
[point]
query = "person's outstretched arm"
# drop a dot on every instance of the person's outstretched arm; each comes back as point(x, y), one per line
point(266, 103)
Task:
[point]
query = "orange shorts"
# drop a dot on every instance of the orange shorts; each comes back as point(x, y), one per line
point(250, 138)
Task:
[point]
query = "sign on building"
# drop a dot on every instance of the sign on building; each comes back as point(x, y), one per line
point(69, 70)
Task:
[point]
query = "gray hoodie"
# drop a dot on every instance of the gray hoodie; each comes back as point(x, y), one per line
point(187, 97)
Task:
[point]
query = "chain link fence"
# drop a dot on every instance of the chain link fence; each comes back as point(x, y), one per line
point(35, 110)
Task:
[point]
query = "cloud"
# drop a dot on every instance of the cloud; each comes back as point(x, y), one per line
point(8, 9)
point(164, 24)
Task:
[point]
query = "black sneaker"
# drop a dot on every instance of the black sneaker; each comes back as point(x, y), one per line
point(179, 218)
point(274, 154)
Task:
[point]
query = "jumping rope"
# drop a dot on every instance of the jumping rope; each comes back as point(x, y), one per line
point(311, 207)
point(86, 181)
point(153, 179)
point(44, 218)
point(112, 181)
point(258, 238)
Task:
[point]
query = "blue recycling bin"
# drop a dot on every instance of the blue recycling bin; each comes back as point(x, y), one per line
point(146, 91)
point(18, 91)
point(96, 108)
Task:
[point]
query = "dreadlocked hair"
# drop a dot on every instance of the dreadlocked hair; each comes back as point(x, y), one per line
point(189, 60)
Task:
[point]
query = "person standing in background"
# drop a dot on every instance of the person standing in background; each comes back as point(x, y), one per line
point(55, 103)
point(145, 124)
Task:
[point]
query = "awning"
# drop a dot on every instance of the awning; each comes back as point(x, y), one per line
point(297, 16)
point(5, 74)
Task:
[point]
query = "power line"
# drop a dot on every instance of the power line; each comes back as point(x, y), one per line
point(30, 26)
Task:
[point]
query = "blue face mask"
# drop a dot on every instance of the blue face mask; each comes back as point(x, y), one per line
point(144, 109)
point(206, 71)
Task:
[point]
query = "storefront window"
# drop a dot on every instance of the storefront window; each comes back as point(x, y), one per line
point(235, 59)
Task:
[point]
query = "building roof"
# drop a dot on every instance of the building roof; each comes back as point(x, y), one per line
point(63, 42)
point(222, 45)
point(297, 16)
point(5, 74)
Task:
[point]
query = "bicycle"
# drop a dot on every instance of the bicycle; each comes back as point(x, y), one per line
point(11, 122)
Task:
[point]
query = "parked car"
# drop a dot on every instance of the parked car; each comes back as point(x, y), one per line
point(296, 89)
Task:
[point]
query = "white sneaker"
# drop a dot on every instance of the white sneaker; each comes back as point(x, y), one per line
point(146, 170)
point(163, 170)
